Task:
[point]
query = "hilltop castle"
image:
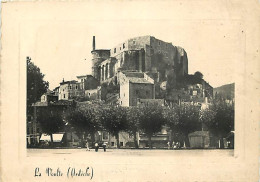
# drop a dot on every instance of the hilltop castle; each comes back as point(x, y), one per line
point(139, 71)
point(138, 68)
point(140, 54)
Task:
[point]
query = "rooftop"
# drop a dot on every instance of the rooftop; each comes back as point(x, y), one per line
point(136, 77)
point(100, 50)
point(82, 76)
point(134, 74)
point(138, 80)
point(68, 82)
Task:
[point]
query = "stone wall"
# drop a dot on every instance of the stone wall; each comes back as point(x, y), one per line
point(124, 93)
point(131, 60)
point(119, 49)
point(97, 57)
point(141, 91)
point(92, 94)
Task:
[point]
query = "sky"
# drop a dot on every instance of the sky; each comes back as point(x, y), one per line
point(60, 44)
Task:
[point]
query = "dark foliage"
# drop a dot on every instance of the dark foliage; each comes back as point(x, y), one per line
point(36, 86)
point(114, 120)
point(51, 122)
point(151, 121)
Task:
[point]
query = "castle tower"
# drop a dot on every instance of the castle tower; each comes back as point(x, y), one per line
point(98, 56)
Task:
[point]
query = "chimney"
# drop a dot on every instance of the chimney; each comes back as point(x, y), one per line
point(94, 43)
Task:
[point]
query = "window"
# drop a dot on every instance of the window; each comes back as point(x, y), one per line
point(76, 87)
point(159, 43)
point(114, 50)
point(133, 42)
point(112, 144)
point(120, 48)
point(81, 80)
point(64, 96)
point(121, 102)
point(88, 94)
point(123, 45)
point(121, 144)
point(124, 94)
point(70, 87)
point(105, 135)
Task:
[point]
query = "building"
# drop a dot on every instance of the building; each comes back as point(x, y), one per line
point(70, 89)
point(83, 87)
point(199, 139)
point(142, 54)
point(87, 82)
point(48, 102)
point(134, 86)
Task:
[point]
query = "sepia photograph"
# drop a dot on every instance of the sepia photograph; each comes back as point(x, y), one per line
point(139, 95)
point(119, 92)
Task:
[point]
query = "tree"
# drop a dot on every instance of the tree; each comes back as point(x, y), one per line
point(188, 116)
point(172, 120)
point(51, 122)
point(77, 119)
point(133, 121)
point(198, 75)
point(220, 120)
point(36, 86)
point(114, 120)
point(84, 120)
point(151, 121)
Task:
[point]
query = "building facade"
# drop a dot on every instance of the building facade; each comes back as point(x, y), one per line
point(134, 86)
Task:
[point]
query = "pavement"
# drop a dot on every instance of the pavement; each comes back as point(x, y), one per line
point(132, 152)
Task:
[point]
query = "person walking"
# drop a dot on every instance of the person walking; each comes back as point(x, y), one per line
point(173, 145)
point(96, 147)
point(168, 145)
point(87, 146)
point(104, 146)
point(177, 145)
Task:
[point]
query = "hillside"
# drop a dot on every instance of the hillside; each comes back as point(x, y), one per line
point(227, 91)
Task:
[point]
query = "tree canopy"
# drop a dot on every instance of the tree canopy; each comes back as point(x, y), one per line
point(36, 85)
point(151, 120)
point(51, 122)
point(114, 120)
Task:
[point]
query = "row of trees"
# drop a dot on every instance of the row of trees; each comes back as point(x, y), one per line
point(148, 120)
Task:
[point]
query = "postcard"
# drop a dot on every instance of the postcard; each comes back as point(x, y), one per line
point(130, 90)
